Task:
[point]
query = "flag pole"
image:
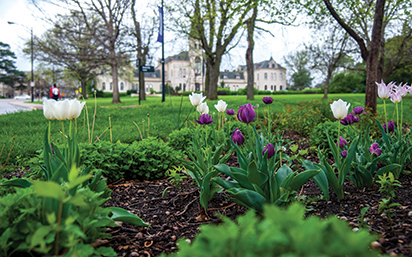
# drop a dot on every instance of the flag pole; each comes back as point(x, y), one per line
point(163, 56)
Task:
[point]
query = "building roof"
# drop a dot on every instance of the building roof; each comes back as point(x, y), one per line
point(182, 56)
point(231, 75)
point(262, 65)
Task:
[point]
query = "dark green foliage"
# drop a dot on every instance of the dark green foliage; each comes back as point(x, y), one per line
point(319, 138)
point(282, 233)
point(181, 140)
point(25, 226)
point(347, 83)
point(147, 159)
point(306, 115)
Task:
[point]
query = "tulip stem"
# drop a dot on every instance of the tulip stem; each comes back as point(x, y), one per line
point(338, 133)
point(269, 123)
point(401, 117)
point(386, 115)
point(397, 120)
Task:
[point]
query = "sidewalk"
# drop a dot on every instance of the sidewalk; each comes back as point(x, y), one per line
point(27, 105)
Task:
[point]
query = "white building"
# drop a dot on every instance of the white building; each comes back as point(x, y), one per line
point(186, 71)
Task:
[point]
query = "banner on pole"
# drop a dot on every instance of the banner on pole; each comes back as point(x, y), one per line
point(160, 36)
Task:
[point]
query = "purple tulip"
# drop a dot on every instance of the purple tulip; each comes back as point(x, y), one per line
point(390, 127)
point(357, 110)
point(349, 119)
point(230, 112)
point(375, 150)
point(204, 119)
point(342, 142)
point(270, 149)
point(344, 154)
point(237, 137)
point(246, 113)
point(267, 100)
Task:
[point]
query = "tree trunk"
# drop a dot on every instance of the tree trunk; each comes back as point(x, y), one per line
point(213, 80)
point(116, 97)
point(327, 82)
point(372, 60)
point(207, 79)
point(83, 84)
point(249, 55)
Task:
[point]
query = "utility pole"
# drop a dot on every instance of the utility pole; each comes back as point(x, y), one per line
point(163, 56)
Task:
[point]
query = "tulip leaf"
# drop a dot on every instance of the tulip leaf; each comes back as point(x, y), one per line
point(384, 135)
point(302, 178)
point(248, 198)
point(387, 169)
point(119, 214)
point(282, 173)
point(253, 174)
point(320, 179)
point(18, 182)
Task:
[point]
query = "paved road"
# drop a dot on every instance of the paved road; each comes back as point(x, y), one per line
point(10, 106)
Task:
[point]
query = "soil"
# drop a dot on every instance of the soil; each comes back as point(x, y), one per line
point(174, 212)
point(178, 214)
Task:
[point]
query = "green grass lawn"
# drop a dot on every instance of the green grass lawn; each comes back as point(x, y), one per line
point(26, 129)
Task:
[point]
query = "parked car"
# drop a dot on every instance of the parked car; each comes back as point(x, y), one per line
point(22, 97)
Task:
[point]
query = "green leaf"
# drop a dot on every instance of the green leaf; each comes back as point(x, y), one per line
point(294, 148)
point(49, 189)
point(253, 173)
point(76, 200)
point(282, 173)
point(302, 178)
point(78, 180)
point(387, 169)
point(119, 214)
point(320, 179)
point(248, 198)
point(18, 182)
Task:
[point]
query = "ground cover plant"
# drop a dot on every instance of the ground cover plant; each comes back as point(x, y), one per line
point(265, 168)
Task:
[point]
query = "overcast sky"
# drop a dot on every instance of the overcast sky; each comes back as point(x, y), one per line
point(287, 39)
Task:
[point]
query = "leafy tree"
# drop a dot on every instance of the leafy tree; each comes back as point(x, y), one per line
point(298, 62)
point(215, 24)
point(365, 22)
point(332, 52)
point(69, 44)
point(347, 83)
point(9, 74)
point(301, 79)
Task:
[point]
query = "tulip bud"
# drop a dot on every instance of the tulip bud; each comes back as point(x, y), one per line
point(221, 106)
point(344, 154)
point(270, 149)
point(375, 150)
point(340, 109)
point(267, 100)
point(238, 137)
point(230, 112)
point(246, 113)
point(204, 119)
point(196, 99)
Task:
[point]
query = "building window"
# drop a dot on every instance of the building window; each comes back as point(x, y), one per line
point(184, 73)
point(111, 86)
point(198, 65)
point(274, 76)
point(121, 86)
point(147, 88)
point(184, 86)
point(266, 87)
point(225, 76)
point(273, 65)
point(180, 73)
point(271, 87)
point(180, 86)
point(281, 77)
point(103, 86)
point(266, 76)
point(271, 76)
point(280, 87)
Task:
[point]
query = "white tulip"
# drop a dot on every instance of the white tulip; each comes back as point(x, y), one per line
point(48, 106)
point(61, 109)
point(221, 106)
point(75, 109)
point(196, 99)
point(340, 109)
point(203, 108)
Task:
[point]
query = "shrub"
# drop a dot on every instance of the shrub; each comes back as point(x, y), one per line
point(147, 159)
point(150, 159)
point(280, 233)
point(131, 91)
point(306, 116)
point(26, 228)
point(318, 136)
point(264, 92)
point(243, 91)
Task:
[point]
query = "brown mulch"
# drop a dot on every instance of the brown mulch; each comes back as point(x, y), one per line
point(178, 214)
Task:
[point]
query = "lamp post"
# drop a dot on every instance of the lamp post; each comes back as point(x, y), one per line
point(32, 57)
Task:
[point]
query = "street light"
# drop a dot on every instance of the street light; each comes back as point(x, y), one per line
point(32, 58)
